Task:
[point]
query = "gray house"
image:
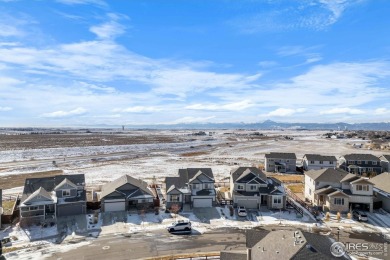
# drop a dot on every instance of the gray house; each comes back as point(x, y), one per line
point(283, 244)
point(385, 162)
point(251, 188)
point(382, 189)
point(45, 199)
point(193, 186)
point(280, 162)
point(360, 163)
point(318, 162)
point(126, 193)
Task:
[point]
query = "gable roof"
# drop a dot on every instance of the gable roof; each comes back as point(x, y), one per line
point(272, 155)
point(337, 192)
point(385, 156)
point(185, 175)
point(201, 176)
point(318, 157)
point(328, 175)
point(49, 183)
point(361, 180)
point(39, 192)
point(382, 181)
point(65, 181)
point(243, 174)
point(110, 187)
point(350, 177)
point(360, 157)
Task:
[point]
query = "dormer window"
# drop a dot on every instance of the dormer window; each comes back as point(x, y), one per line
point(65, 193)
point(362, 187)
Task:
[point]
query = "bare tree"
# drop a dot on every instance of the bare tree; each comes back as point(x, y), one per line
point(175, 208)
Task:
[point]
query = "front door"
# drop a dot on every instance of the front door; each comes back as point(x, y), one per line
point(264, 199)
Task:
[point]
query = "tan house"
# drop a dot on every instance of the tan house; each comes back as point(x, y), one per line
point(338, 191)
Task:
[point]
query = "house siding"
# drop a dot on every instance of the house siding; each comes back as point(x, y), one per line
point(385, 200)
point(270, 164)
point(307, 165)
point(71, 209)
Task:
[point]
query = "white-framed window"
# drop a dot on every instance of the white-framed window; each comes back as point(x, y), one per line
point(351, 162)
point(310, 191)
point(252, 187)
point(338, 201)
point(277, 200)
point(312, 162)
point(174, 198)
point(65, 193)
point(330, 162)
point(373, 162)
point(321, 162)
point(195, 186)
point(240, 187)
point(208, 186)
point(360, 187)
point(359, 162)
point(370, 169)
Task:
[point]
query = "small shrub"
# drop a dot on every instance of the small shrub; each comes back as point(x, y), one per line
point(327, 216)
point(338, 216)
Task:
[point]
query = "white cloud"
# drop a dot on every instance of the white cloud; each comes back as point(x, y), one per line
point(237, 106)
point(83, 2)
point(282, 112)
point(3, 109)
point(342, 110)
point(190, 119)
point(61, 113)
point(138, 109)
point(382, 111)
point(108, 30)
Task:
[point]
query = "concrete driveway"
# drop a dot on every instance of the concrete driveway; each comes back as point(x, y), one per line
point(205, 214)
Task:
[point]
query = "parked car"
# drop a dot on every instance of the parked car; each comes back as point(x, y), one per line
point(359, 215)
point(180, 225)
point(241, 211)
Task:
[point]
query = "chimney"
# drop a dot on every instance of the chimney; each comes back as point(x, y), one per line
point(249, 254)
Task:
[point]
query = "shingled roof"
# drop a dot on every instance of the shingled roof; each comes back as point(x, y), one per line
point(288, 156)
point(360, 157)
point(328, 175)
point(185, 175)
point(318, 157)
point(241, 172)
point(385, 156)
point(112, 186)
point(382, 181)
point(49, 183)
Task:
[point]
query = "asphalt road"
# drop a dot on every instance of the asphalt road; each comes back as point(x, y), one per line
point(158, 243)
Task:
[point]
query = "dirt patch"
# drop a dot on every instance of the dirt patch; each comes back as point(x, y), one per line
point(296, 188)
point(11, 181)
point(193, 154)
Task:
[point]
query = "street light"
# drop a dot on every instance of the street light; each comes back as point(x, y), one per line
point(338, 234)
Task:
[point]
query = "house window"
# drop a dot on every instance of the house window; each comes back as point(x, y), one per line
point(240, 187)
point(252, 187)
point(310, 191)
point(287, 160)
point(277, 200)
point(174, 198)
point(351, 162)
point(65, 193)
point(330, 162)
point(362, 187)
point(312, 162)
point(271, 160)
point(369, 169)
point(207, 186)
point(194, 186)
point(359, 162)
point(321, 162)
point(339, 201)
point(373, 163)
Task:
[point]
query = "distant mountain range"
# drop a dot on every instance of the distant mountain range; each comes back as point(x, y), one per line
point(268, 124)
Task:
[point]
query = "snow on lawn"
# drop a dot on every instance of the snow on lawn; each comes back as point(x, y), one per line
point(20, 235)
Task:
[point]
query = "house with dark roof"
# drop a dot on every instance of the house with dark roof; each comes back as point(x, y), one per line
point(45, 199)
point(251, 188)
point(280, 162)
point(193, 186)
point(382, 189)
point(337, 190)
point(360, 164)
point(318, 162)
point(126, 193)
point(283, 244)
point(385, 162)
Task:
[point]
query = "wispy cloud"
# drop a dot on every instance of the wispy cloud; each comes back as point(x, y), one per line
point(382, 111)
point(138, 109)
point(283, 112)
point(342, 110)
point(110, 29)
point(190, 119)
point(59, 114)
point(237, 106)
point(3, 109)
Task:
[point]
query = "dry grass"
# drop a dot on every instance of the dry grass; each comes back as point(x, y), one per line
point(289, 178)
point(193, 154)
point(185, 256)
point(296, 188)
point(224, 189)
point(8, 206)
point(12, 181)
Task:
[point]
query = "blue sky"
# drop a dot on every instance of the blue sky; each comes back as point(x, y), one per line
point(88, 62)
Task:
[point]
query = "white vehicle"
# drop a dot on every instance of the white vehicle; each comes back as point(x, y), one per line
point(180, 225)
point(360, 215)
point(241, 211)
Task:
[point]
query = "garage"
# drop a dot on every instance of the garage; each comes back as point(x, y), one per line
point(203, 203)
point(114, 206)
point(71, 209)
point(248, 203)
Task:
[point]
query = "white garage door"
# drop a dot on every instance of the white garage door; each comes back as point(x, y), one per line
point(203, 203)
point(114, 206)
point(249, 204)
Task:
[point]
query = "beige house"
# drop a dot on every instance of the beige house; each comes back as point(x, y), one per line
point(338, 191)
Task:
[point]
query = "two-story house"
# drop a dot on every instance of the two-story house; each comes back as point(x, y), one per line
point(193, 186)
point(251, 188)
point(280, 162)
point(126, 193)
point(382, 189)
point(360, 164)
point(318, 162)
point(385, 162)
point(337, 190)
point(46, 199)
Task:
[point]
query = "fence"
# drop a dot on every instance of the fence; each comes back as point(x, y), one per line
point(292, 199)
